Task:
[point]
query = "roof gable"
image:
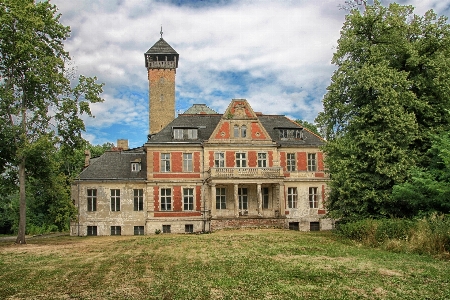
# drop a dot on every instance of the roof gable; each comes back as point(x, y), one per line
point(161, 47)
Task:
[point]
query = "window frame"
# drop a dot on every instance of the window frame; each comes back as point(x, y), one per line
point(188, 163)
point(165, 205)
point(188, 199)
point(290, 162)
point(312, 162)
point(265, 197)
point(166, 229)
point(292, 197)
point(188, 228)
point(116, 230)
point(241, 159)
point(138, 199)
point(91, 231)
point(135, 166)
point(115, 199)
point(243, 198)
point(219, 159)
point(221, 198)
point(313, 197)
point(262, 160)
point(165, 162)
point(138, 231)
point(91, 199)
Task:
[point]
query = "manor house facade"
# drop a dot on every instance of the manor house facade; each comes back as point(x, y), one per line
point(203, 171)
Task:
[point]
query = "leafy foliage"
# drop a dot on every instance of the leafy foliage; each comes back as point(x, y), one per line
point(388, 96)
point(38, 105)
point(310, 126)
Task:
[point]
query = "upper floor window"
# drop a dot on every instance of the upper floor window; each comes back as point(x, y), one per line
point(241, 160)
point(286, 133)
point(236, 131)
point(187, 162)
point(115, 200)
point(292, 197)
point(135, 166)
point(188, 199)
point(166, 199)
point(240, 131)
point(262, 160)
point(185, 133)
point(92, 199)
point(312, 162)
point(165, 162)
point(313, 198)
point(243, 131)
point(290, 162)
point(219, 160)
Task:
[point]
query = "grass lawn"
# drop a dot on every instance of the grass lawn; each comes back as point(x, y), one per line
point(235, 264)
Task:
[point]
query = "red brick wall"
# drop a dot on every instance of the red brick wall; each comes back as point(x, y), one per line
point(176, 161)
point(320, 161)
point(230, 159)
point(178, 214)
point(252, 159)
point(156, 162)
point(211, 159)
point(156, 198)
point(176, 175)
point(177, 199)
point(270, 158)
point(255, 129)
point(224, 128)
point(198, 198)
point(302, 162)
point(196, 161)
point(283, 160)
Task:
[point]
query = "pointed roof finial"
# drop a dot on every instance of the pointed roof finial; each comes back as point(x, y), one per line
point(161, 32)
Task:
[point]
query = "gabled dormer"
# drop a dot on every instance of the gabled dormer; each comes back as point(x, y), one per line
point(240, 124)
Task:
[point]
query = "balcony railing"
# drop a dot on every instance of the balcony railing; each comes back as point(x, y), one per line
point(246, 172)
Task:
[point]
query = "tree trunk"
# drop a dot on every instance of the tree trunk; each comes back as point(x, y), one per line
point(22, 204)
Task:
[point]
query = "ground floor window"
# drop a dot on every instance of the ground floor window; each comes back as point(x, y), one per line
point(166, 228)
point(314, 226)
point(292, 197)
point(92, 230)
point(189, 228)
point(243, 198)
point(188, 199)
point(221, 199)
point(265, 197)
point(294, 226)
point(116, 230)
point(313, 197)
point(138, 230)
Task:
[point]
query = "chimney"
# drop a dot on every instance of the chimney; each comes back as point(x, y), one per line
point(87, 157)
point(122, 144)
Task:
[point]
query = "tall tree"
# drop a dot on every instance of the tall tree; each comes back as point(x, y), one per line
point(37, 97)
point(387, 97)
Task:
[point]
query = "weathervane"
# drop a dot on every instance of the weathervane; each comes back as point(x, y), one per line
point(161, 32)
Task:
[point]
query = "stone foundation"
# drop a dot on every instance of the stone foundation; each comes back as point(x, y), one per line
point(217, 224)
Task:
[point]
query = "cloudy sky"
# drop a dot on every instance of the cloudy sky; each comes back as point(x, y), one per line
point(274, 53)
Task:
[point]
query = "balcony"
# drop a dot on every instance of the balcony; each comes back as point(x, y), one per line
point(274, 172)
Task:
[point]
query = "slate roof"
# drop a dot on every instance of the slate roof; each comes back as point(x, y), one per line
point(115, 165)
point(161, 47)
point(206, 123)
point(200, 109)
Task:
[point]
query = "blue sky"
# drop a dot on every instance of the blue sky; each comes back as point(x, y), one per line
point(274, 53)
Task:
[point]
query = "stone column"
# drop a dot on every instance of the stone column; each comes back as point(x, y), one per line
point(213, 200)
point(236, 201)
point(282, 200)
point(258, 192)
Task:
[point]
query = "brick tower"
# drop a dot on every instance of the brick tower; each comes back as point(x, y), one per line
point(161, 61)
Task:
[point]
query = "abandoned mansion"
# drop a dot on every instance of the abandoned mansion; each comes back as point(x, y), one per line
point(202, 170)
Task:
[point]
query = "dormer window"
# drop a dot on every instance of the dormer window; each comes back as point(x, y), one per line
point(240, 131)
point(135, 166)
point(290, 134)
point(185, 133)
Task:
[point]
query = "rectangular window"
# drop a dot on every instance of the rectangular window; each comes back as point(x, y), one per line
point(243, 198)
point(135, 167)
point(241, 160)
point(189, 228)
point(236, 131)
point(166, 199)
point(312, 163)
point(138, 199)
point(243, 131)
point(116, 230)
point(178, 134)
point(294, 226)
point(115, 200)
point(314, 226)
point(92, 199)
point(219, 160)
point(187, 162)
point(221, 199)
point(165, 162)
point(183, 133)
point(313, 198)
point(292, 197)
point(138, 230)
point(192, 134)
point(262, 160)
point(92, 230)
point(290, 162)
point(166, 228)
point(265, 197)
point(188, 199)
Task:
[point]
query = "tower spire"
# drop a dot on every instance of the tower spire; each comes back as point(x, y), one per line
point(161, 32)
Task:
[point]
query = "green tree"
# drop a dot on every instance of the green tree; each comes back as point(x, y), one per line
point(37, 97)
point(310, 126)
point(388, 96)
